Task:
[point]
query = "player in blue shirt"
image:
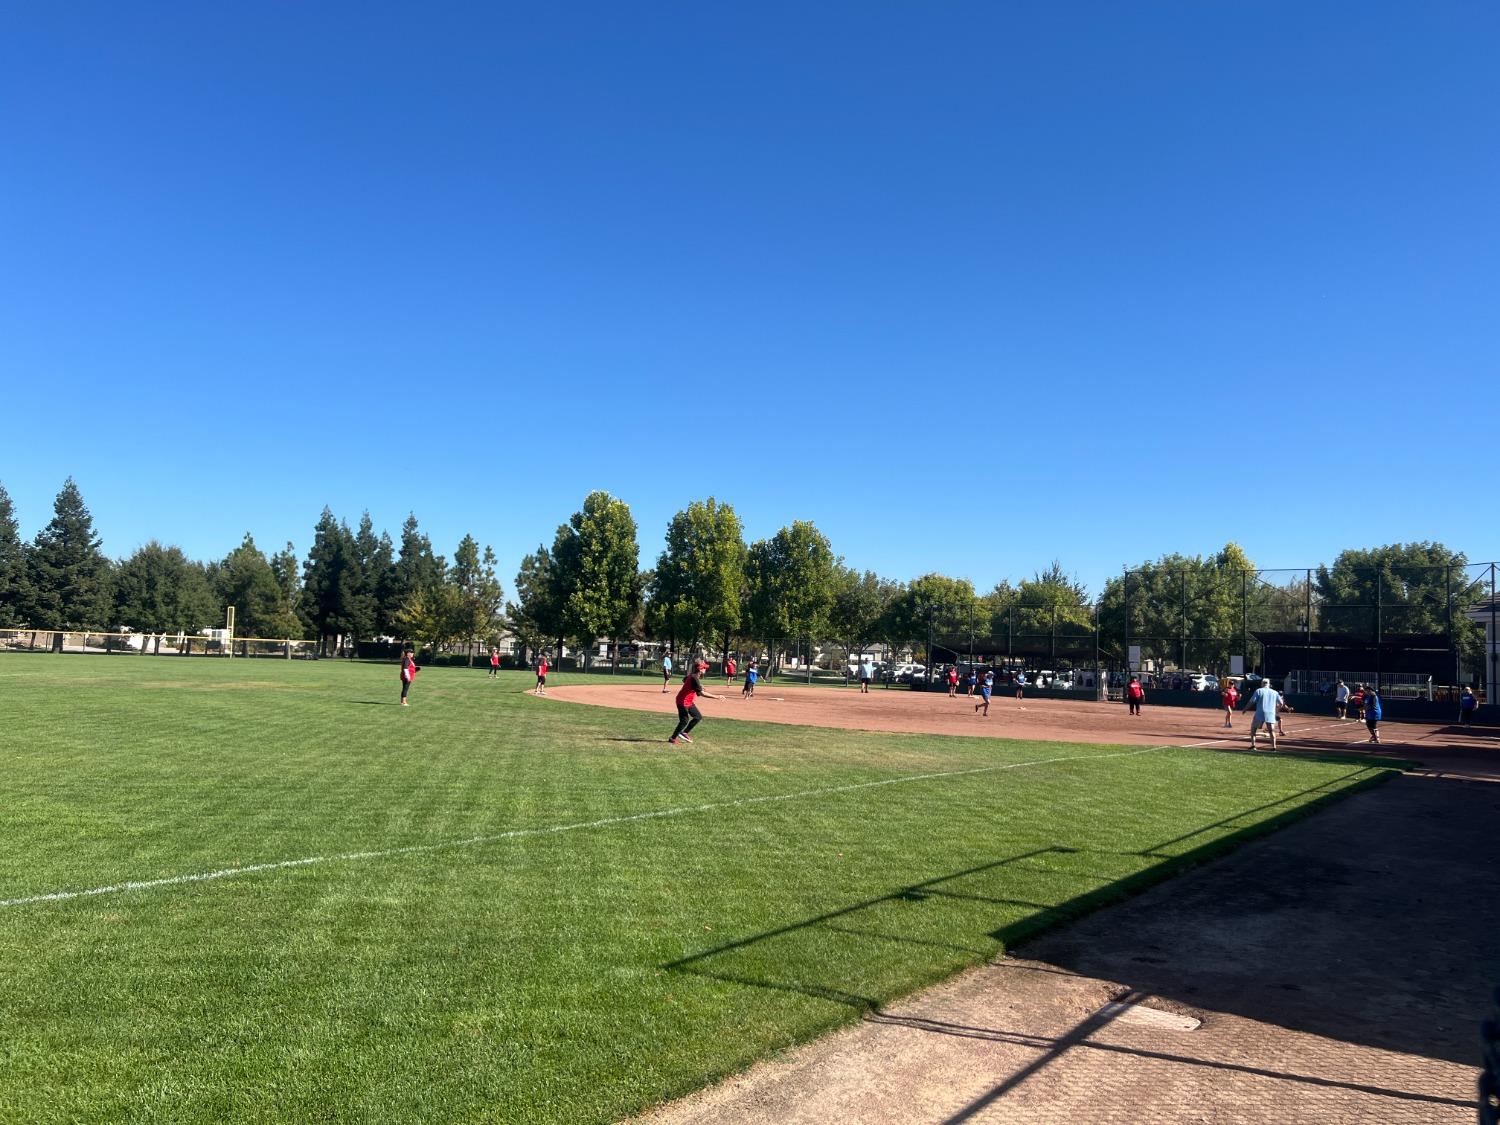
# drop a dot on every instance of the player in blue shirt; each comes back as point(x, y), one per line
point(987, 686)
point(751, 675)
point(1372, 713)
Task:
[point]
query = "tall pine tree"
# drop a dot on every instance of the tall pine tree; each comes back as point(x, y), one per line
point(330, 579)
point(68, 572)
point(14, 586)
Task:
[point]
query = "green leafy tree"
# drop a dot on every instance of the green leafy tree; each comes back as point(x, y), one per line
point(68, 573)
point(1401, 588)
point(432, 618)
point(15, 587)
point(595, 558)
point(160, 590)
point(793, 580)
point(860, 605)
point(375, 569)
point(536, 617)
point(1187, 610)
point(931, 606)
point(699, 578)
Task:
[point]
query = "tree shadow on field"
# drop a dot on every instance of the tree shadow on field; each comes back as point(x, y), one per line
point(1296, 932)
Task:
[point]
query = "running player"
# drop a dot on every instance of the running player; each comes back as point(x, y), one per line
point(688, 715)
point(987, 686)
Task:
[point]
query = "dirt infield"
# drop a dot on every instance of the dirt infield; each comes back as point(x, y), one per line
point(1444, 749)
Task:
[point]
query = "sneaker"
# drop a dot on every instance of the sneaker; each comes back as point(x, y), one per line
point(686, 739)
point(671, 742)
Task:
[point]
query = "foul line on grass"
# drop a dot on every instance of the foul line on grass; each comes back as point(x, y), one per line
point(519, 833)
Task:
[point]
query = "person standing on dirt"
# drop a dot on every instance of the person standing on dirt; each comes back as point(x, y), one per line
point(970, 682)
point(985, 689)
point(666, 671)
point(1372, 714)
point(1468, 703)
point(953, 681)
point(1020, 685)
point(1341, 701)
point(1135, 694)
point(866, 674)
point(1265, 699)
point(1229, 697)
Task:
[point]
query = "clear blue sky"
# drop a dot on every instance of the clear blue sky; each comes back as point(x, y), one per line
point(971, 286)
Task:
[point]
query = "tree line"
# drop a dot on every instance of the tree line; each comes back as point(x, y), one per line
point(352, 585)
point(709, 589)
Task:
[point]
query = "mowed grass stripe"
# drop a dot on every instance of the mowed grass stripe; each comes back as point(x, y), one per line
point(557, 977)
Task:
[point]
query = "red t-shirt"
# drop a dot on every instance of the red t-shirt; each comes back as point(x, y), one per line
point(1136, 691)
point(731, 667)
point(688, 693)
point(953, 675)
point(1231, 697)
point(494, 660)
point(541, 669)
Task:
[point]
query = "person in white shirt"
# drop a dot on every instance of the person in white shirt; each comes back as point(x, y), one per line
point(1265, 698)
point(1341, 700)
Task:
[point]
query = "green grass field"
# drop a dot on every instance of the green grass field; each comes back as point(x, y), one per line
point(569, 976)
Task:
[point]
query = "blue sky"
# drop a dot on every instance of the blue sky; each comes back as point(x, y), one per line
point(971, 286)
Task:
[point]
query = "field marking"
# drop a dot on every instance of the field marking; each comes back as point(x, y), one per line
point(519, 833)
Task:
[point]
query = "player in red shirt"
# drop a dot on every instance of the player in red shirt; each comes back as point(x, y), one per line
point(728, 671)
point(688, 715)
point(953, 682)
point(1229, 697)
point(541, 675)
point(1135, 694)
point(409, 672)
point(494, 663)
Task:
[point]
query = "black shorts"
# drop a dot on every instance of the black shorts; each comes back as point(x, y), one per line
point(540, 680)
point(1372, 723)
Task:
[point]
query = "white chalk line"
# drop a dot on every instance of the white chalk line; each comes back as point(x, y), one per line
point(520, 833)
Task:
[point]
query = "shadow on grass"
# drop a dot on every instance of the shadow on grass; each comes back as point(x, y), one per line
point(764, 960)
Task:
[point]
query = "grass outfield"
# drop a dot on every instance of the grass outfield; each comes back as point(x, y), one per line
point(568, 976)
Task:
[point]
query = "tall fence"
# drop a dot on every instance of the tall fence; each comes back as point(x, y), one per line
point(1416, 627)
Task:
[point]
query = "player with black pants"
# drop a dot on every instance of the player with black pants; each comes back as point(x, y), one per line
point(688, 715)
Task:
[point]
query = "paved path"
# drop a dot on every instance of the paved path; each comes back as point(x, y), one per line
point(1339, 970)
